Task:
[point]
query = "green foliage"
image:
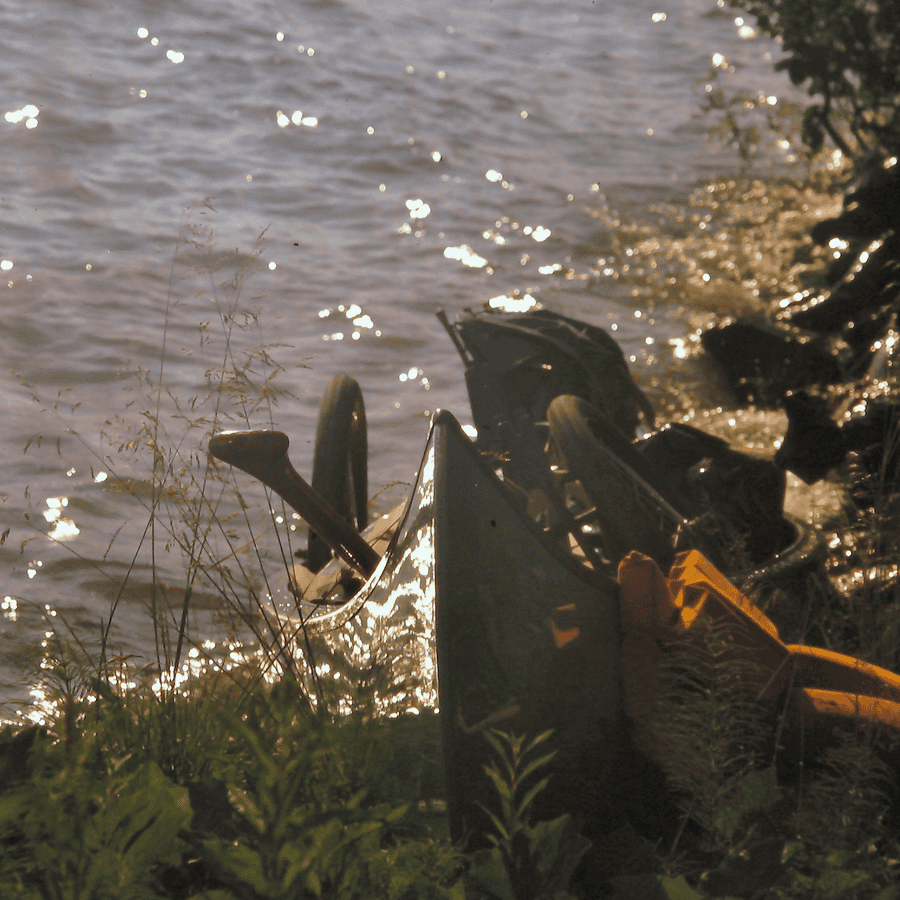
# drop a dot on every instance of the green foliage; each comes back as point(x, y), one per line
point(289, 805)
point(528, 861)
point(712, 726)
point(311, 821)
point(77, 832)
point(840, 846)
point(751, 828)
point(847, 53)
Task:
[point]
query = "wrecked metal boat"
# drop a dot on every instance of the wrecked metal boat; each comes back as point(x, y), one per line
point(492, 596)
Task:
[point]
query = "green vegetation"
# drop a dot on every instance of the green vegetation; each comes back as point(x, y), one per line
point(239, 790)
point(754, 823)
point(274, 802)
point(528, 860)
point(847, 54)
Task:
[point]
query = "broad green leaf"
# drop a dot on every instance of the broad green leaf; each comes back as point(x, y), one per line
point(889, 893)
point(678, 889)
point(141, 823)
point(539, 739)
point(13, 805)
point(501, 784)
point(838, 883)
point(397, 813)
point(557, 848)
point(240, 862)
point(488, 873)
point(757, 791)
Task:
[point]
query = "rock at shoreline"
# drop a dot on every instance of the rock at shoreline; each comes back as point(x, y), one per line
point(865, 296)
point(870, 210)
point(763, 361)
point(728, 493)
point(815, 444)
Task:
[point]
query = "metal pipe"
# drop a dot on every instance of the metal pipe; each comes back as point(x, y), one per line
point(263, 454)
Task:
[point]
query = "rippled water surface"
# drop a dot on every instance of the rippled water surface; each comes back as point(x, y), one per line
point(186, 185)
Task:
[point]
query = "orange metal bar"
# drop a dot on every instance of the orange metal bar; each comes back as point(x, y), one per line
point(824, 687)
point(829, 671)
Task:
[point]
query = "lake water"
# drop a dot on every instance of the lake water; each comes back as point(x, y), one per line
point(184, 184)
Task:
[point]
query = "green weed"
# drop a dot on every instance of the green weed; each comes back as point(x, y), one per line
point(529, 860)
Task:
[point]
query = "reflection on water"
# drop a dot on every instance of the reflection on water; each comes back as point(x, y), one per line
point(379, 647)
point(376, 652)
point(466, 255)
point(63, 528)
point(27, 114)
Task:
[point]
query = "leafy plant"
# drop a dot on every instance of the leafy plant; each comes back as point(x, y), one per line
point(310, 821)
point(840, 845)
point(709, 727)
point(78, 832)
point(276, 801)
point(847, 53)
point(528, 860)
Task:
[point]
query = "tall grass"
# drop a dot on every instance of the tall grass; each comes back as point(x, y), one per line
point(208, 771)
point(234, 551)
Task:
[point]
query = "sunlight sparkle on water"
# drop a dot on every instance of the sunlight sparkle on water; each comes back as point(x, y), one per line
point(418, 209)
point(28, 114)
point(513, 303)
point(296, 118)
point(356, 315)
point(63, 528)
point(745, 31)
point(412, 375)
point(466, 255)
